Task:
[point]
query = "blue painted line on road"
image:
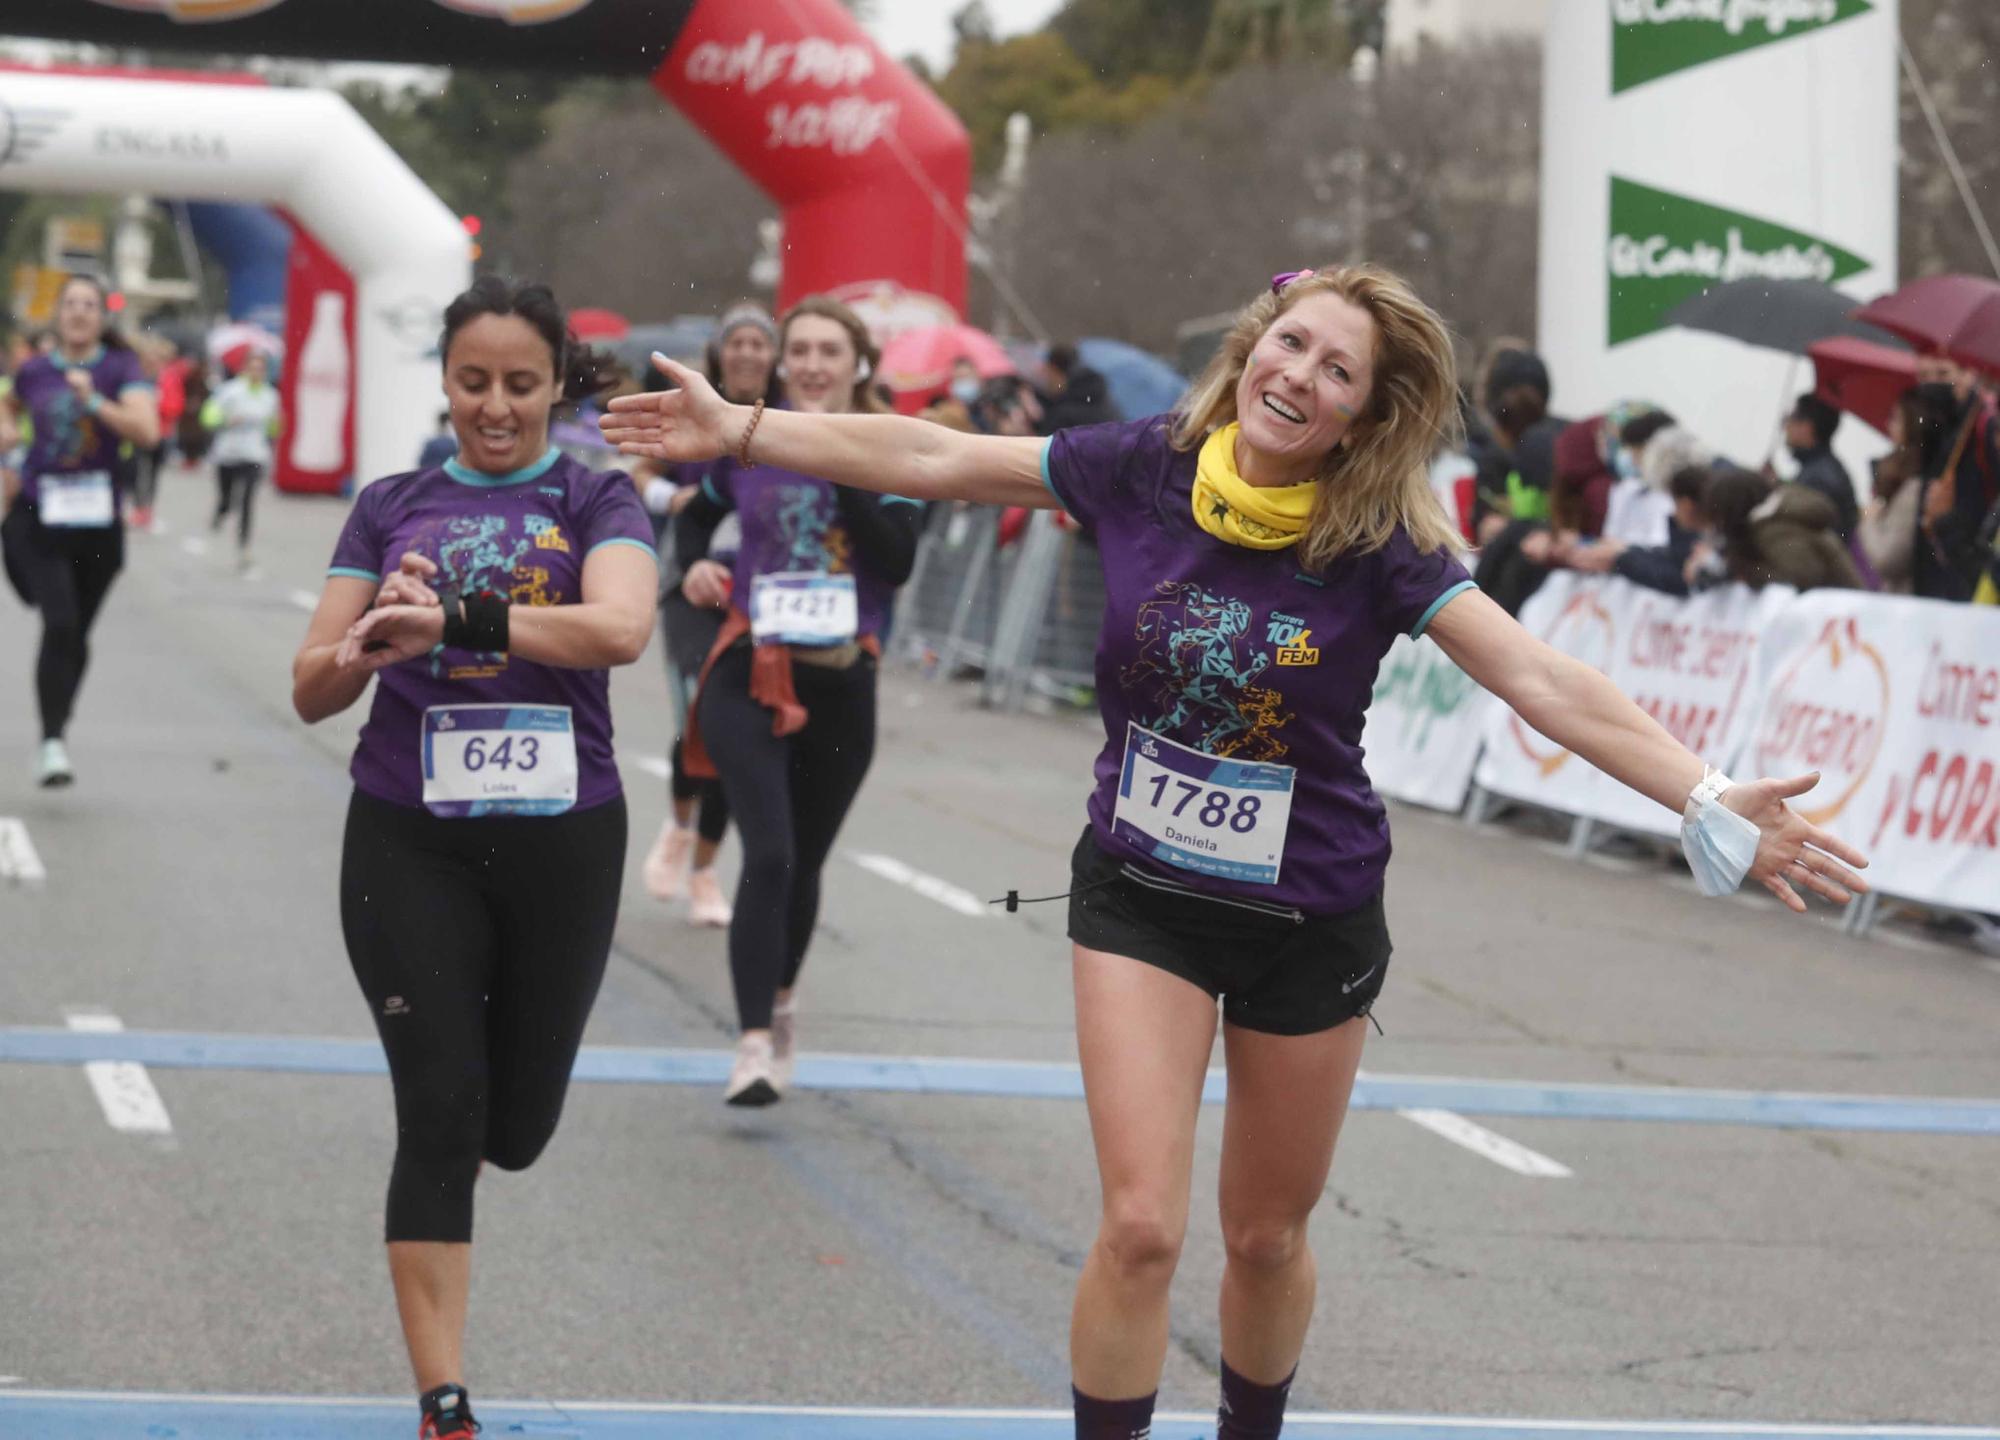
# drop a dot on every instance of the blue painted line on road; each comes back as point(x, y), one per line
point(54, 1415)
point(1034, 1080)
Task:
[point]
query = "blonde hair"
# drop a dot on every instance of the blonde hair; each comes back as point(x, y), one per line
point(866, 401)
point(1379, 478)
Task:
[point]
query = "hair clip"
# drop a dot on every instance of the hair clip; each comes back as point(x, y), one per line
point(1279, 282)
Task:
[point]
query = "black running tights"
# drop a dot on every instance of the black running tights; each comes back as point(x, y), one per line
point(788, 797)
point(70, 573)
point(480, 945)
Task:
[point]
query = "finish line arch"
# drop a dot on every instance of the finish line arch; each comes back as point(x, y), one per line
point(304, 150)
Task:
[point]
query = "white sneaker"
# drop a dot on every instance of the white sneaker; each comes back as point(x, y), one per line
point(667, 861)
point(750, 1080)
point(705, 903)
point(53, 769)
point(784, 1044)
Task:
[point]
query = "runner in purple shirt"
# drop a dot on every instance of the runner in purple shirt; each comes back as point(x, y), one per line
point(786, 711)
point(64, 533)
point(1262, 548)
point(486, 835)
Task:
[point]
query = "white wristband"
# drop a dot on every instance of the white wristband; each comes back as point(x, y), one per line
point(1713, 783)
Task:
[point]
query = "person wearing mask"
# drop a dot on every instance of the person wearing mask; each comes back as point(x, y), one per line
point(785, 713)
point(741, 360)
point(1071, 392)
point(956, 406)
point(488, 598)
point(1809, 436)
point(87, 398)
point(244, 417)
point(1263, 548)
point(1779, 534)
point(1661, 567)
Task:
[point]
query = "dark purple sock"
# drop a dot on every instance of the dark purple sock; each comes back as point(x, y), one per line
point(1251, 1411)
point(1113, 1419)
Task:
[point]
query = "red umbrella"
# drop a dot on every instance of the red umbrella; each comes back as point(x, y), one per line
point(1861, 377)
point(1956, 314)
point(588, 324)
point(918, 362)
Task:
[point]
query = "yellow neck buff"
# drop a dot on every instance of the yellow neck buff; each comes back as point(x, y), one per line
point(1230, 508)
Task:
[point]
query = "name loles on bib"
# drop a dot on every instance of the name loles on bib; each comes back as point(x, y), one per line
point(1203, 812)
point(498, 759)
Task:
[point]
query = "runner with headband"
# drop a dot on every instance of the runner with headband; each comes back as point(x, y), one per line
point(485, 838)
point(1262, 548)
point(87, 399)
point(786, 712)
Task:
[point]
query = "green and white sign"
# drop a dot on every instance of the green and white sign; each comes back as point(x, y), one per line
point(1652, 38)
point(1664, 248)
point(1676, 175)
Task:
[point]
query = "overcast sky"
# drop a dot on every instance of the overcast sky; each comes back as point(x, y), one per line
point(923, 27)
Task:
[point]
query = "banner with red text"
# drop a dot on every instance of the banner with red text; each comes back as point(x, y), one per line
point(1896, 702)
point(1689, 663)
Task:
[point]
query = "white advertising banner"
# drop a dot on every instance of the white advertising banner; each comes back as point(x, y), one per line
point(1689, 663)
point(1687, 143)
point(1896, 703)
point(1422, 734)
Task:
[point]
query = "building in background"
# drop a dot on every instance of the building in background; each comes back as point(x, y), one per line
point(1409, 24)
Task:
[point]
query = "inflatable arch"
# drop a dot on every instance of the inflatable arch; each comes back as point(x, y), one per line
point(869, 169)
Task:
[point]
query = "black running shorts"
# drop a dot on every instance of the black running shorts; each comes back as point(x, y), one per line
point(1279, 971)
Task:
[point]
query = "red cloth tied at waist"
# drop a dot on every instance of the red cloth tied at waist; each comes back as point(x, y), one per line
point(770, 686)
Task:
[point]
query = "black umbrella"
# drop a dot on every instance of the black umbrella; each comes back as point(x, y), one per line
point(1785, 315)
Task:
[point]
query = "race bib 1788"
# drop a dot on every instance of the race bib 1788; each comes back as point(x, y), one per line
point(1204, 813)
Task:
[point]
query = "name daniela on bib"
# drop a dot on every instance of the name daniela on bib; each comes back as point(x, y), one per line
point(1202, 812)
point(498, 760)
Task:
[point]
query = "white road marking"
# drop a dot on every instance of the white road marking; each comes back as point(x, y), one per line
point(18, 860)
point(194, 545)
point(928, 886)
point(124, 1090)
point(304, 599)
point(655, 765)
point(1480, 1141)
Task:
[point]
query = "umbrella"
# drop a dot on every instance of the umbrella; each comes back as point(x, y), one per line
point(1141, 383)
point(588, 324)
point(1861, 377)
point(1957, 314)
point(918, 362)
point(1785, 315)
point(232, 344)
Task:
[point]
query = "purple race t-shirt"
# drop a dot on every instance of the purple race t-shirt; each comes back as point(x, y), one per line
point(791, 525)
point(1257, 673)
point(68, 439)
point(526, 534)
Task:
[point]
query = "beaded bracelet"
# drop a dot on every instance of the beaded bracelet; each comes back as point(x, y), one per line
point(743, 449)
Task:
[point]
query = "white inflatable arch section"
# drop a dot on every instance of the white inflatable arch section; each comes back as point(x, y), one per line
point(306, 150)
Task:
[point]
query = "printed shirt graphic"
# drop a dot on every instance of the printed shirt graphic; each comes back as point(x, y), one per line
point(68, 438)
point(1237, 653)
point(527, 535)
point(791, 524)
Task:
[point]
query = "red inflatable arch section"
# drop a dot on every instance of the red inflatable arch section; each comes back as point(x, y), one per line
point(868, 167)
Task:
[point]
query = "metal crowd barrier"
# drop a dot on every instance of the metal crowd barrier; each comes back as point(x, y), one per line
point(1021, 617)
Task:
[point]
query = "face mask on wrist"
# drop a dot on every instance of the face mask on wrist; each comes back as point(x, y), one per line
point(1720, 845)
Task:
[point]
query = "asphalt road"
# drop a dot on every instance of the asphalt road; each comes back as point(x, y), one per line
point(865, 1248)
